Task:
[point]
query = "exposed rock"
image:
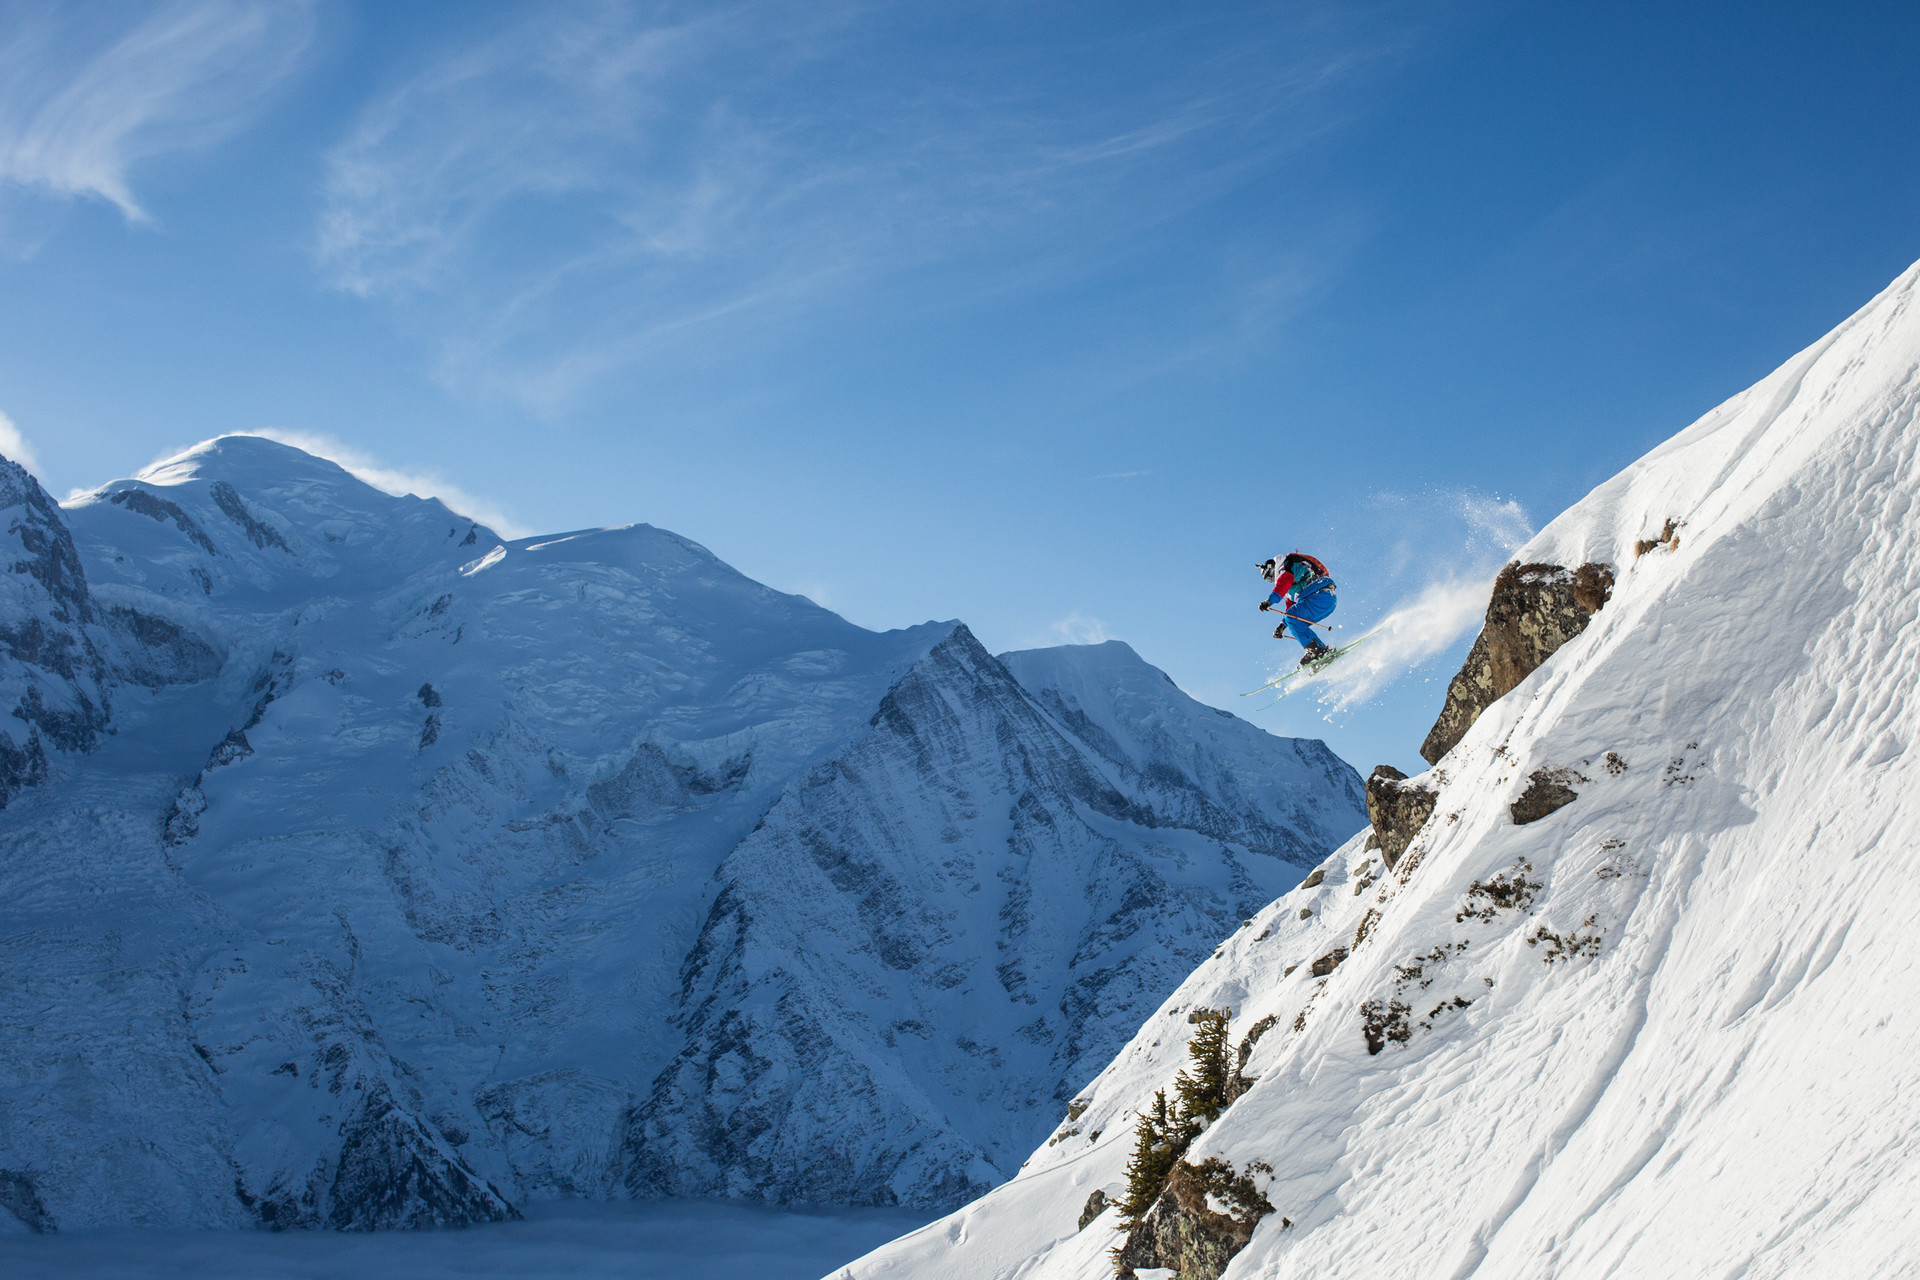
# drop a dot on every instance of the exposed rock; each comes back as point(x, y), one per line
point(21, 1198)
point(1183, 1231)
point(1314, 878)
point(162, 652)
point(1095, 1206)
point(21, 766)
point(1327, 963)
point(1535, 609)
point(395, 1171)
point(1248, 1041)
point(1546, 791)
point(262, 535)
point(1397, 810)
point(49, 555)
point(157, 508)
point(51, 671)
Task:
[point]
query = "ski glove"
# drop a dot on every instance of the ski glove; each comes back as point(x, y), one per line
point(1265, 605)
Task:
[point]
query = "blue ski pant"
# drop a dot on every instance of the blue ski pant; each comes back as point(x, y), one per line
point(1314, 607)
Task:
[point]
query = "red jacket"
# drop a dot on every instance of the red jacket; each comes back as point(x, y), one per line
point(1284, 581)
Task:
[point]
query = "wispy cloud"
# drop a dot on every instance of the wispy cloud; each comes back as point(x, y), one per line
point(1078, 628)
point(601, 182)
point(89, 92)
point(15, 446)
point(423, 484)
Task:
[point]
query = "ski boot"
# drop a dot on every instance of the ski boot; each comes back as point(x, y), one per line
point(1314, 653)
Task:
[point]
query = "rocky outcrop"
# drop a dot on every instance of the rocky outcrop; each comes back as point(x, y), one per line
point(1095, 1206)
point(157, 508)
point(51, 673)
point(1547, 790)
point(1183, 1230)
point(1327, 963)
point(1535, 609)
point(1397, 809)
point(21, 1198)
point(260, 533)
point(60, 649)
point(396, 1172)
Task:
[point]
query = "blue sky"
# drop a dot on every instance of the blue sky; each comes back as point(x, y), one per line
point(1053, 318)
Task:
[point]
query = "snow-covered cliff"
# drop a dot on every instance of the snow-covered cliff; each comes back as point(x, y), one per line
point(408, 873)
point(1635, 999)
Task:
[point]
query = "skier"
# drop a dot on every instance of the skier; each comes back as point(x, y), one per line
point(1304, 593)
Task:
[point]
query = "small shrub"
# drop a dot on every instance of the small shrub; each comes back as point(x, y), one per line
point(1508, 891)
point(1216, 1178)
point(1584, 941)
point(1386, 1021)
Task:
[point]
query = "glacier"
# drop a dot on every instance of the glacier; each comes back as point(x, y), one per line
point(362, 869)
point(1633, 998)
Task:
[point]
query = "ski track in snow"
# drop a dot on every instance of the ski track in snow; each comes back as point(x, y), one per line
point(1726, 1088)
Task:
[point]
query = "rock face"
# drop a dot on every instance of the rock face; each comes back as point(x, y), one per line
point(1397, 810)
point(1535, 609)
point(18, 1197)
point(953, 922)
point(1183, 1231)
point(54, 682)
point(64, 650)
point(396, 1171)
point(398, 874)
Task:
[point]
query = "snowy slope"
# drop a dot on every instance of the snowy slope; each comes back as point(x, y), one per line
point(1666, 1030)
point(378, 916)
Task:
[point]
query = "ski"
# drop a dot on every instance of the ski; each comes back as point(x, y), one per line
point(1313, 668)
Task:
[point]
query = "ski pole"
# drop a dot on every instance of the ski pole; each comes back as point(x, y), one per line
point(1297, 618)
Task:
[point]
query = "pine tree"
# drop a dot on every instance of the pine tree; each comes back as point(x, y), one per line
point(1202, 1089)
point(1159, 1139)
point(1168, 1129)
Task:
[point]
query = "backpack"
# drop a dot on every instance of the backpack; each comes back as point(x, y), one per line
point(1314, 568)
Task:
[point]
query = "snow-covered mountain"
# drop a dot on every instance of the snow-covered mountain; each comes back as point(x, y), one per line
point(403, 873)
point(1623, 985)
